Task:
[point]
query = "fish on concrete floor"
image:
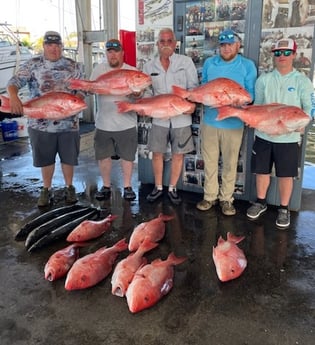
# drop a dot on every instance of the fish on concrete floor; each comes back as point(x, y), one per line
point(229, 259)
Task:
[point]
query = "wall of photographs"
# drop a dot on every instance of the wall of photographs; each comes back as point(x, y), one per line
point(197, 25)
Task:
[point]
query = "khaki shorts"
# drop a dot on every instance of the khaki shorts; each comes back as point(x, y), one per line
point(180, 139)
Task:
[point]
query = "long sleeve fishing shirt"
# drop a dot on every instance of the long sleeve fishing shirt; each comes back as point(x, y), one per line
point(293, 88)
point(241, 70)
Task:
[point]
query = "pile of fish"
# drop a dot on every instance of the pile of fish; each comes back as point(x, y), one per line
point(143, 283)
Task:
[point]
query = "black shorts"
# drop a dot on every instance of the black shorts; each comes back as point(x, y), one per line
point(122, 143)
point(285, 157)
point(46, 146)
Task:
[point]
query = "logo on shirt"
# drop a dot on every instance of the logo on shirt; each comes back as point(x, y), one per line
point(291, 88)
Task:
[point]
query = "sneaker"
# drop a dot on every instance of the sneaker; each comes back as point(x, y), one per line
point(103, 193)
point(256, 210)
point(227, 208)
point(70, 195)
point(174, 197)
point(283, 218)
point(129, 194)
point(205, 205)
point(155, 194)
point(45, 197)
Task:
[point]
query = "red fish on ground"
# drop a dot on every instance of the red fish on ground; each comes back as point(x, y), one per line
point(126, 268)
point(215, 93)
point(61, 261)
point(151, 282)
point(92, 268)
point(90, 229)
point(160, 106)
point(120, 82)
point(272, 119)
point(229, 259)
point(154, 230)
point(52, 105)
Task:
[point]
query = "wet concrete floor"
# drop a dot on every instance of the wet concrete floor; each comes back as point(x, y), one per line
point(271, 303)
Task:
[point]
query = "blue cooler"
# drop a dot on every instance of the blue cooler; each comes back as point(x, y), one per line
point(9, 129)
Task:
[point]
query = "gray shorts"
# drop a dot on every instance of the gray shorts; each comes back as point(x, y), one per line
point(46, 146)
point(123, 144)
point(181, 139)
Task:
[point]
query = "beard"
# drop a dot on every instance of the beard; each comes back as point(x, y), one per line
point(114, 63)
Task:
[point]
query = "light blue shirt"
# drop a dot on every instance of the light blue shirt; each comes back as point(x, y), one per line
point(242, 71)
point(293, 88)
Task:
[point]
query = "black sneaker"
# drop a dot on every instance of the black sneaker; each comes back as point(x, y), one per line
point(129, 194)
point(103, 193)
point(70, 195)
point(155, 194)
point(45, 198)
point(174, 197)
point(283, 218)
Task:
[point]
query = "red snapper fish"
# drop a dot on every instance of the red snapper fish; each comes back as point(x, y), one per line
point(126, 268)
point(52, 105)
point(215, 93)
point(160, 106)
point(120, 82)
point(90, 229)
point(61, 261)
point(92, 268)
point(272, 119)
point(151, 282)
point(229, 259)
point(154, 230)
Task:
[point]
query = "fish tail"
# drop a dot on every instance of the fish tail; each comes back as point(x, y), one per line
point(224, 112)
point(179, 91)
point(121, 245)
point(123, 107)
point(5, 104)
point(174, 260)
point(166, 217)
point(233, 238)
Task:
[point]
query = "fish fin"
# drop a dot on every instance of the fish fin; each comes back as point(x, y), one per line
point(179, 91)
point(233, 238)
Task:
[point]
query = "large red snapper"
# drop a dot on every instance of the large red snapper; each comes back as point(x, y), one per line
point(229, 259)
point(215, 93)
point(92, 268)
point(52, 105)
point(120, 82)
point(151, 282)
point(126, 268)
point(272, 119)
point(61, 261)
point(160, 106)
point(90, 229)
point(154, 230)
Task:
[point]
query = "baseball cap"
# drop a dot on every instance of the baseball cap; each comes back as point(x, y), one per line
point(52, 37)
point(285, 44)
point(228, 36)
point(113, 44)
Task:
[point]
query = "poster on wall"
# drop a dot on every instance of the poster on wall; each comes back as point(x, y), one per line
point(287, 19)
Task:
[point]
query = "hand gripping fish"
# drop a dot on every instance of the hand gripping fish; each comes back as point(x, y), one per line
point(229, 259)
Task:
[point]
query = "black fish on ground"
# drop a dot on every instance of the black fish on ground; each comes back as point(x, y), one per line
point(47, 227)
point(43, 218)
point(63, 231)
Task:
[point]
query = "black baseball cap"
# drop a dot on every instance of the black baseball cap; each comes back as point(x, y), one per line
point(52, 37)
point(113, 44)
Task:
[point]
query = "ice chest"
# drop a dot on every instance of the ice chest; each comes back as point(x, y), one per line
point(9, 129)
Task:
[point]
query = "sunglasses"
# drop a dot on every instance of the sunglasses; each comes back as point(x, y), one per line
point(278, 53)
point(112, 45)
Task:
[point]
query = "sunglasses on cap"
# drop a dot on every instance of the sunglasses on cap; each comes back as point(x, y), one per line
point(113, 45)
point(278, 53)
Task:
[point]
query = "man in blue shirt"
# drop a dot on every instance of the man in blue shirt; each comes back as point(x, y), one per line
point(224, 137)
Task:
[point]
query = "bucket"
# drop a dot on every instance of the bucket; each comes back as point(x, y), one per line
point(22, 126)
point(9, 129)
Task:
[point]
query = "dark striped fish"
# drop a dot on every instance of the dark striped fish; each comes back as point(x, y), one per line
point(62, 231)
point(43, 218)
point(52, 224)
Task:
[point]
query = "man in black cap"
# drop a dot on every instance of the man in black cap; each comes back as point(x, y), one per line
point(116, 134)
point(45, 73)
